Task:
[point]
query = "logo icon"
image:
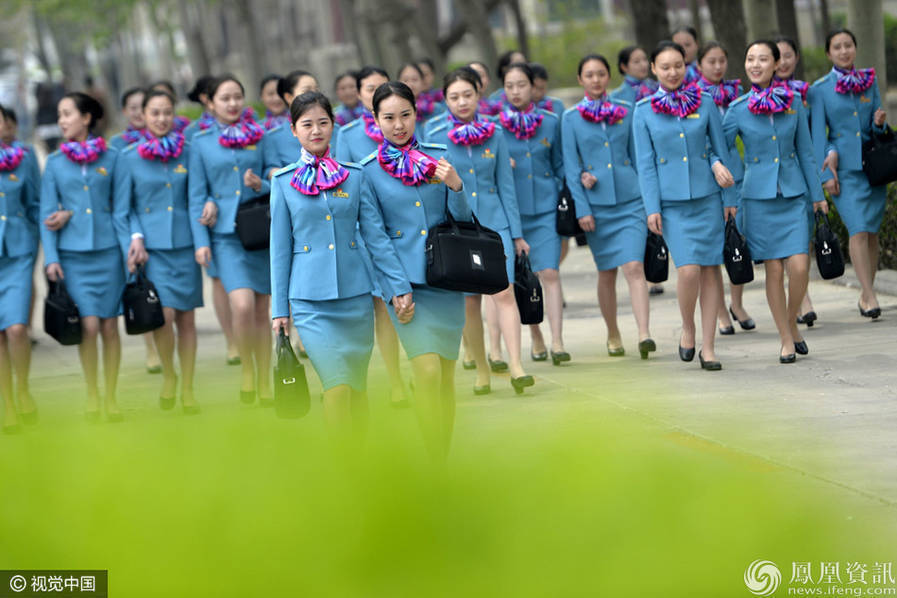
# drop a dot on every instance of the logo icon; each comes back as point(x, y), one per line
point(762, 578)
point(17, 583)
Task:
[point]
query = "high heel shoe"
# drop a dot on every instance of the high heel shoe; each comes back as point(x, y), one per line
point(482, 390)
point(789, 358)
point(710, 366)
point(686, 354)
point(167, 403)
point(498, 366)
point(748, 324)
point(522, 382)
point(808, 319)
point(469, 365)
point(247, 397)
point(727, 330)
point(646, 346)
point(559, 357)
point(30, 418)
point(869, 313)
point(801, 348)
point(615, 351)
point(234, 360)
point(539, 356)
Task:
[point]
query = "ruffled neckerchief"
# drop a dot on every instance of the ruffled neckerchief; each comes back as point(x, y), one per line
point(426, 106)
point(771, 100)
point(474, 132)
point(206, 121)
point(241, 133)
point(133, 135)
point(546, 104)
point(162, 148)
point(370, 127)
point(643, 87)
point(601, 110)
point(181, 123)
point(489, 107)
point(796, 85)
point(680, 102)
point(275, 120)
point(84, 152)
point(854, 80)
point(522, 123)
point(11, 156)
point(345, 115)
point(317, 173)
point(723, 92)
point(406, 163)
point(692, 73)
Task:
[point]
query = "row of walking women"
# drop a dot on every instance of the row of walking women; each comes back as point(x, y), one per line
point(349, 230)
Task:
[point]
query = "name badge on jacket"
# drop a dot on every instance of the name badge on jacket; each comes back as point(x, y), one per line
point(102, 170)
point(865, 100)
point(488, 153)
point(545, 142)
point(694, 115)
point(340, 193)
point(180, 169)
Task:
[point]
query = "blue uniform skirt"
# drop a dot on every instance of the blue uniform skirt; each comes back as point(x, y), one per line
point(776, 228)
point(437, 323)
point(338, 336)
point(177, 277)
point(16, 274)
point(95, 280)
point(540, 231)
point(211, 270)
point(508, 245)
point(238, 268)
point(861, 206)
point(693, 230)
point(620, 234)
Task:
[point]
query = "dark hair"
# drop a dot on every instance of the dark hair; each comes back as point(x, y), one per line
point(539, 71)
point(702, 51)
point(464, 73)
point(625, 56)
point(789, 41)
point(201, 86)
point(589, 57)
point(482, 64)
point(302, 103)
point(686, 29)
point(163, 83)
point(838, 31)
point(286, 85)
point(765, 42)
point(130, 92)
point(351, 74)
point(367, 71)
point(215, 83)
point(157, 93)
point(666, 45)
point(267, 79)
point(519, 66)
point(427, 61)
point(412, 65)
point(9, 114)
point(389, 89)
point(504, 61)
point(86, 105)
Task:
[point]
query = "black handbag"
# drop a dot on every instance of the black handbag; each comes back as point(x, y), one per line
point(527, 291)
point(737, 255)
point(657, 259)
point(62, 320)
point(828, 250)
point(566, 223)
point(465, 256)
point(291, 396)
point(253, 223)
point(142, 307)
point(880, 158)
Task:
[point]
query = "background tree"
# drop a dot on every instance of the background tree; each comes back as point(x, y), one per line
point(650, 22)
point(729, 27)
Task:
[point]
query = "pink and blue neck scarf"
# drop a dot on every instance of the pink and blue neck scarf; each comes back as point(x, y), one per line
point(601, 110)
point(475, 132)
point(546, 104)
point(522, 123)
point(370, 127)
point(181, 123)
point(489, 107)
point(681, 102)
point(345, 115)
point(317, 173)
point(86, 152)
point(206, 121)
point(162, 148)
point(854, 80)
point(242, 133)
point(692, 73)
point(796, 85)
point(426, 106)
point(11, 156)
point(772, 100)
point(133, 135)
point(406, 163)
point(643, 87)
point(275, 120)
point(723, 92)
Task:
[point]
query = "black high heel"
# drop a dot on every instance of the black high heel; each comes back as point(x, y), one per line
point(789, 358)
point(522, 382)
point(646, 346)
point(247, 397)
point(727, 331)
point(869, 313)
point(559, 357)
point(498, 366)
point(710, 366)
point(543, 356)
point(482, 390)
point(748, 324)
point(469, 365)
point(801, 348)
point(686, 354)
point(808, 319)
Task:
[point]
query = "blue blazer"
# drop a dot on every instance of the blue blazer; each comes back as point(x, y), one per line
point(557, 106)
point(352, 143)
point(19, 208)
point(314, 251)
point(404, 214)
point(488, 179)
point(539, 166)
point(286, 147)
point(778, 151)
point(605, 151)
point(841, 122)
point(118, 142)
point(192, 129)
point(151, 200)
point(672, 153)
point(86, 190)
point(216, 174)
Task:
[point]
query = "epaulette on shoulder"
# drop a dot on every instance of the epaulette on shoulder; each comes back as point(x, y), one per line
point(739, 99)
point(822, 79)
point(286, 169)
point(438, 128)
point(548, 113)
point(434, 146)
point(349, 125)
point(621, 102)
point(352, 165)
point(643, 100)
point(367, 159)
point(202, 132)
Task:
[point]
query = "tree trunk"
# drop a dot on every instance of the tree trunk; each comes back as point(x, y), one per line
point(196, 48)
point(865, 19)
point(825, 20)
point(695, 11)
point(728, 24)
point(254, 58)
point(426, 23)
point(762, 21)
point(651, 22)
point(520, 23)
point(787, 18)
point(478, 25)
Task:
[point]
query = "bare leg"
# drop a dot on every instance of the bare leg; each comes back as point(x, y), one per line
point(874, 251)
point(10, 418)
point(509, 324)
point(388, 343)
point(607, 302)
point(473, 337)
point(494, 331)
point(164, 338)
point(87, 352)
point(688, 285)
point(711, 283)
point(262, 345)
point(242, 309)
point(153, 359)
point(798, 268)
point(775, 296)
point(861, 256)
point(554, 307)
point(186, 323)
point(111, 362)
point(20, 354)
point(638, 296)
point(724, 320)
point(225, 319)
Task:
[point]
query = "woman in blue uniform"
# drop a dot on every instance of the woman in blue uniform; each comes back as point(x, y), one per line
point(151, 193)
point(427, 106)
point(428, 69)
point(846, 111)
point(284, 145)
point(599, 163)
point(398, 184)
point(632, 62)
point(180, 122)
point(19, 210)
point(131, 108)
point(541, 99)
point(485, 167)
point(680, 151)
point(350, 107)
point(80, 243)
point(200, 95)
point(687, 38)
point(780, 177)
point(713, 62)
point(487, 106)
point(317, 271)
point(226, 165)
point(277, 112)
